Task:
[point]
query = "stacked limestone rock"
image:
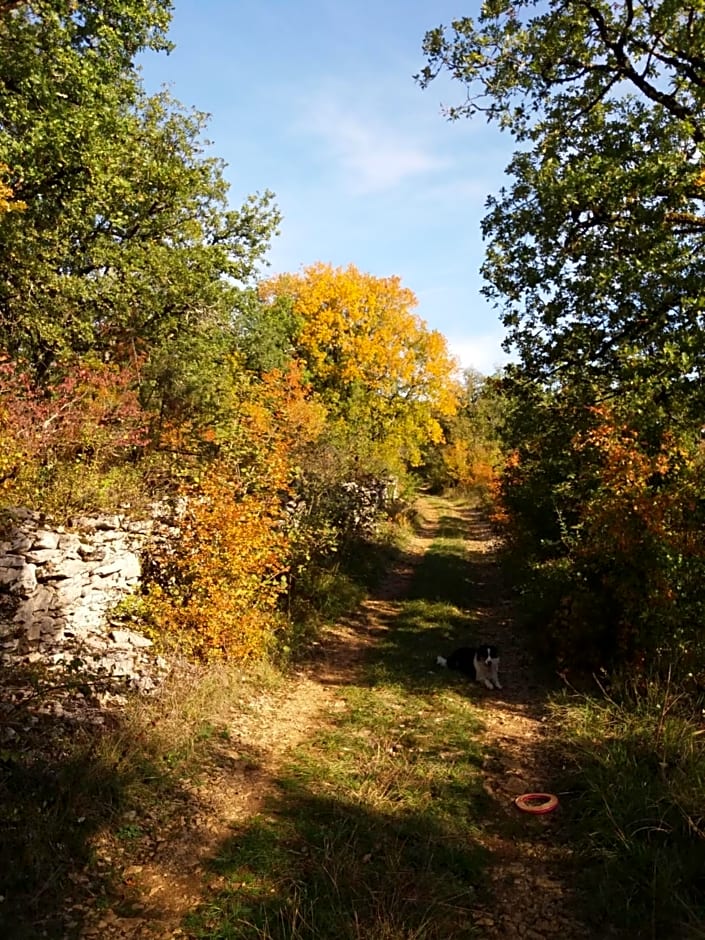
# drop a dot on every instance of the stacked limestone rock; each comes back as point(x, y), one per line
point(58, 585)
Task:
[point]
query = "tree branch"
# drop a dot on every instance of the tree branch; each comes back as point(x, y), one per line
point(7, 6)
point(627, 70)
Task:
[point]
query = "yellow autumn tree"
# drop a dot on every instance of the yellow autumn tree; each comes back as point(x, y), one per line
point(379, 368)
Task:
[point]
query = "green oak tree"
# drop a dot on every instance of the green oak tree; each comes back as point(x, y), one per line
point(595, 247)
point(125, 240)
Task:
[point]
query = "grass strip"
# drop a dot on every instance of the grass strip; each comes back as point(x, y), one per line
point(635, 771)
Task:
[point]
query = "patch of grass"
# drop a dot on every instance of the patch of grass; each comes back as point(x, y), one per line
point(444, 610)
point(326, 593)
point(636, 777)
point(367, 560)
point(333, 588)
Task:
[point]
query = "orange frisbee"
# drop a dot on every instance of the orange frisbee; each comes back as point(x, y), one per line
point(536, 802)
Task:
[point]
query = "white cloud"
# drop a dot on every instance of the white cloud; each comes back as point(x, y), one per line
point(483, 352)
point(373, 155)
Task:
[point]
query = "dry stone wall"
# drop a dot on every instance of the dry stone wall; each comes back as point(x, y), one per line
point(58, 585)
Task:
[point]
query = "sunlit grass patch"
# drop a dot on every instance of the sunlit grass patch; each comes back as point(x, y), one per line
point(372, 833)
point(398, 752)
point(636, 779)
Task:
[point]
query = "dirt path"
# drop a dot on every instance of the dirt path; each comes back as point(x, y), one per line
point(168, 882)
point(532, 900)
point(531, 869)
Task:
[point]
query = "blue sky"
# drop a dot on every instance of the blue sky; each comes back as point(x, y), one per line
point(315, 100)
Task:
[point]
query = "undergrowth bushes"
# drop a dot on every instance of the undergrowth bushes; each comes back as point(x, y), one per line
point(240, 565)
point(72, 443)
point(213, 590)
point(336, 584)
point(603, 509)
point(607, 537)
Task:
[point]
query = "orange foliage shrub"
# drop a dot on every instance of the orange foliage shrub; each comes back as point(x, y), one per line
point(218, 585)
point(504, 480)
point(634, 559)
point(641, 529)
point(472, 465)
point(603, 511)
point(214, 591)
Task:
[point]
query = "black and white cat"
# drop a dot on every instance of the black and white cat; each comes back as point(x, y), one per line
point(480, 663)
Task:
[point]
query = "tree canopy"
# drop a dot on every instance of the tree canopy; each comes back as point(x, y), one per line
point(595, 249)
point(595, 259)
point(125, 238)
point(373, 360)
